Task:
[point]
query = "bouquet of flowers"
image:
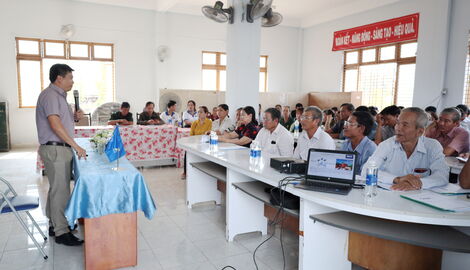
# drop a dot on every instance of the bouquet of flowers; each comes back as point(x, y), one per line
point(100, 140)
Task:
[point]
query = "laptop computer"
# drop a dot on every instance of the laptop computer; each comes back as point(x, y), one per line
point(329, 171)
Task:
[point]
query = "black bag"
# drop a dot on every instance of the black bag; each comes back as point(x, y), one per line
point(290, 201)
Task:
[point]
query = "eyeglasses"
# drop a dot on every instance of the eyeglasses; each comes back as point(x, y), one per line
point(350, 124)
point(304, 117)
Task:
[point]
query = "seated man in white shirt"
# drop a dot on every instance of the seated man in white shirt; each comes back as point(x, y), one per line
point(223, 123)
point(275, 140)
point(170, 116)
point(312, 135)
point(410, 161)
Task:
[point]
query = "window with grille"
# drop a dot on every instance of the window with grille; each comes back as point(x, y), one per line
point(93, 64)
point(385, 74)
point(466, 96)
point(214, 74)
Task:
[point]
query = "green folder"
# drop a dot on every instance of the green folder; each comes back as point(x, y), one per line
point(426, 204)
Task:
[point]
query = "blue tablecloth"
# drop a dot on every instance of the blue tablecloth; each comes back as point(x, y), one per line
point(101, 191)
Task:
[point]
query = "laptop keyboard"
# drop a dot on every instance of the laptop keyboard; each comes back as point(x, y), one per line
point(326, 187)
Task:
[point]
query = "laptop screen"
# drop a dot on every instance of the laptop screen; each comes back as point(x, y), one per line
point(330, 165)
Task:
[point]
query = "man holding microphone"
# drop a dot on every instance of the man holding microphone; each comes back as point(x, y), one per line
point(55, 126)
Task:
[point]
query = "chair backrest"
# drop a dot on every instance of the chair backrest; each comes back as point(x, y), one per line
point(85, 121)
point(5, 190)
point(102, 114)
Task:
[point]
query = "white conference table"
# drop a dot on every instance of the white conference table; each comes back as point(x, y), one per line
point(245, 214)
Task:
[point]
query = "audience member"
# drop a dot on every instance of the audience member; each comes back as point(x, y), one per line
point(432, 117)
point(201, 125)
point(214, 115)
point(356, 130)
point(464, 178)
point(386, 121)
point(190, 115)
point(237, 117)
point(371, 134)
point(247, 130)
point(170, 116)
point(312, 136)
point(149, 116)
point(223, 124)
point(454, 139)
point(373, 110)
point(329, 119)
point(409, 160)
point(279, 108)
point(297, 106)
point(297, 121)
point(430, 109)
point(464, 121)
point(275, 139)
point(259, 115)
point(286, 121)
point(345, 111)
point(122, 117)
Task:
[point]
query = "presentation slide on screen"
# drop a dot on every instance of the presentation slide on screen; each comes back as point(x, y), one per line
point(331, 165)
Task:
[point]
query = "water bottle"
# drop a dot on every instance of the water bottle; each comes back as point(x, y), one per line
point(258, 150)
point(214, 142)
point(296, 129)
point(252, 151)
point(370, 189)
point(255, 153)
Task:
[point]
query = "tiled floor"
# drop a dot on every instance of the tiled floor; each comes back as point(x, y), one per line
point(176, 238)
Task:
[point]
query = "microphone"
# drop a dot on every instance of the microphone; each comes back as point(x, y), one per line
point(77, 106)
point(75, 96)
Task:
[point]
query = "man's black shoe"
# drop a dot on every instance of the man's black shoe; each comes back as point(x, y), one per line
point(52, 233)
point(68, 239)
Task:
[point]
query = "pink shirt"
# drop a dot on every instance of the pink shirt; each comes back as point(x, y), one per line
point(457, 139)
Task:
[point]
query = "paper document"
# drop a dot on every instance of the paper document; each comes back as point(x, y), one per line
point(386, 186)
point(462, 159)
point(232, 147)
point(440, 202)
point(451, 189)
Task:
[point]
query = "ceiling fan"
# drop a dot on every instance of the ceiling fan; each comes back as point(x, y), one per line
point(271, 18)
point(263, 9)
point(218, 13)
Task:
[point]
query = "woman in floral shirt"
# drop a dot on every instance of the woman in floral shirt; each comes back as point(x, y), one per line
point(246, 132)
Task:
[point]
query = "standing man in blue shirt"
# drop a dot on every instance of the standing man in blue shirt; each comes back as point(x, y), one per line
point(55, 126)
point(408, 160)
point(356, 129)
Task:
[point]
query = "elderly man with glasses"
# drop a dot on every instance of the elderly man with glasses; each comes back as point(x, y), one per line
point(312, 135)
point(408, 160)
point(275, 140)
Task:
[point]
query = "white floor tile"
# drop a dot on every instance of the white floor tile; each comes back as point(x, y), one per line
point(220, 248)
point(26, 259)
point(242, 262)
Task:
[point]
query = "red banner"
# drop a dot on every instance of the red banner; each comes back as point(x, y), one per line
point(390, 31)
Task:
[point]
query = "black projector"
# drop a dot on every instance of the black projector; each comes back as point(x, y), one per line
point(289, 165)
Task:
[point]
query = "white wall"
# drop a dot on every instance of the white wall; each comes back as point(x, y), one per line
point(322, 68)
point(457, 52)
point(187, 36)
point(136, 34)
point(131, 30)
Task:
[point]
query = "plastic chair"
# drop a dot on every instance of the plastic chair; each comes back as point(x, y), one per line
point(11, 202)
